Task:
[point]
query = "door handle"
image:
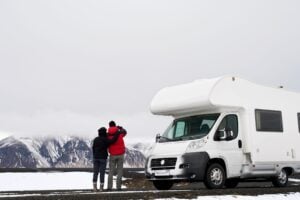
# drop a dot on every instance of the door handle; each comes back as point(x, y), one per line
point(240, 144)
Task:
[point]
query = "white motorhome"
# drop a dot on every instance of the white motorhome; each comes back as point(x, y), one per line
point(225, 130)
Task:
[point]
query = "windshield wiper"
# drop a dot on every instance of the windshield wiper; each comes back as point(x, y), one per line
point(179, 138)
point(170, 139)
point(192, 137)
point(163, 137)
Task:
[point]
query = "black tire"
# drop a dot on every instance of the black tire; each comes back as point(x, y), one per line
point(163, 185)
point(215, 176)
point(231, 183)
point(281, 180)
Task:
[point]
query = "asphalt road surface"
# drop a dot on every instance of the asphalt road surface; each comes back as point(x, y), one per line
point(139, 188)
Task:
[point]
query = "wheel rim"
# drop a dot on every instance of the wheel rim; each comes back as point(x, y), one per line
point(216, 176)
point(282, 177)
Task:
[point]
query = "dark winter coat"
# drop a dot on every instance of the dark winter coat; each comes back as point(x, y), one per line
point(100, 145)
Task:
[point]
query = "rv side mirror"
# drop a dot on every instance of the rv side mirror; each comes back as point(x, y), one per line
point(229, 133)
point(220, 135)
point(157, 138)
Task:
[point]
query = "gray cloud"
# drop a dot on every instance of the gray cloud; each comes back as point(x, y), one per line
point(81, 62)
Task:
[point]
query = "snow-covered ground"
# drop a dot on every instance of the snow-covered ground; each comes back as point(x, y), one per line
point(292, 196)
point(83, 180)
point(48, 181)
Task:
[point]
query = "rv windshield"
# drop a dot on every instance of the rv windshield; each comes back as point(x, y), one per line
point(189, 128)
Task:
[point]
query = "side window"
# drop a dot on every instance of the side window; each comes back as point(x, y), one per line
point(180, 129)
point(230, 124)
point(268, 120)
point(298, 121)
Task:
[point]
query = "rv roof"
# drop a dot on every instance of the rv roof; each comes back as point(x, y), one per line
point(221, 92)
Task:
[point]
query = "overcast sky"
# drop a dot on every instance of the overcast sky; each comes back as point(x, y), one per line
point(68, 67)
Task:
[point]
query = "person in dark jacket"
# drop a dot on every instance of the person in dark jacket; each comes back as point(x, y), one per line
point(100, 145)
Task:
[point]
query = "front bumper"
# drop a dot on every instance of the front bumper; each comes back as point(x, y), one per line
point(189, 166)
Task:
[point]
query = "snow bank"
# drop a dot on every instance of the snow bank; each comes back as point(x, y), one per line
point(292, 196)
point(48, 181)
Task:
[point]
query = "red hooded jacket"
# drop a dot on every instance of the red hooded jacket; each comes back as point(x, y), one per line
point(117, 148)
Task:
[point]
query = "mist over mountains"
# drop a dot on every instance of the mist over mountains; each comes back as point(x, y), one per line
point(59, 152)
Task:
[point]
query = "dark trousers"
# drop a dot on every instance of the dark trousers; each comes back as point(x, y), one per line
point(99, 166)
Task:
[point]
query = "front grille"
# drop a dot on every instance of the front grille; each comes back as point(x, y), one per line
point(163, 163)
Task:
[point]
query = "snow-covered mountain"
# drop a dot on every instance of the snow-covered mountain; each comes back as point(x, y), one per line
point(144, 148)
point(58, 152)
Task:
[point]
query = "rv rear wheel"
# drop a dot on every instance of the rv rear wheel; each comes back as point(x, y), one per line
point(215, 176)
point(281, 180)
point(231, 183)
point(163, 185)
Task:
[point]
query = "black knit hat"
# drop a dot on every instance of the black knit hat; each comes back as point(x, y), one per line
point(112, 123)
point(102, 131)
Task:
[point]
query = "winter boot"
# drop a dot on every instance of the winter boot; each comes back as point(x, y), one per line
point(95, 187)
point(101, 187)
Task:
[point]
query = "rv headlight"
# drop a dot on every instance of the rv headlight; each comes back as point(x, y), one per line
point(195, 145)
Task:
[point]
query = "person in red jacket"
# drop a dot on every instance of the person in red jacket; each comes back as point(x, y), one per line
point(116, 151)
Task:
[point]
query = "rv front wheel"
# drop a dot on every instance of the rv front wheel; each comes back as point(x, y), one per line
point(215, 176)
point(163, 185)
point(281, 180)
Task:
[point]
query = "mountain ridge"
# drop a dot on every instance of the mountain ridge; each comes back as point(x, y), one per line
point(59, 152)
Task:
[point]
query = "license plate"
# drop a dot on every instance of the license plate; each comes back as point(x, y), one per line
point(162, 173)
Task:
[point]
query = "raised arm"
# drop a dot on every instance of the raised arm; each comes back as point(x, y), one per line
point(122, 130)
point(114, 138)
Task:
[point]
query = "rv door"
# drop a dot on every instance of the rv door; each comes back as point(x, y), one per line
point(229, 144)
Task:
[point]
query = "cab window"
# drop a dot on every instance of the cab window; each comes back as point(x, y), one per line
point(229, 126)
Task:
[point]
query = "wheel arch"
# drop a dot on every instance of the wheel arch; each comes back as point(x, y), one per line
point(289, 170)
point(220, 161)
